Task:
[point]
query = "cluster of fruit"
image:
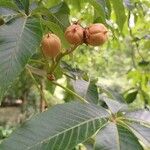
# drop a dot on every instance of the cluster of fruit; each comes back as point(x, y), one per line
point(75, 34)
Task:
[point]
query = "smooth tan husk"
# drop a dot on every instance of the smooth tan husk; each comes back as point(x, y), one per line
point(51, 45)
point(74, 34)
point(96, 34)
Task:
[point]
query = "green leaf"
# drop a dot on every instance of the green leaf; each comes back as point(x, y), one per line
point(130, 96)
point(99, 7)
point(112, 94)
point(107, 138)
point(8, 9)
point(19, 4)
point(113, 105)
point(26, 4)
point(57, 15)
point(8, 4)
point(143, 63)
point(61, 12)
point(129, 4)
point(142, 116)
point(2, 21)
point(71, 71)
point(77, 4)
point(57, 30)
point(108, 9)
point(88, 90)
point(127, 139)
point(60, 8)
point(50, 3)
point(80, 87)
point(18, 41)
point(142, 132)
point(59, 128)
point(119, 12)
point(10, 18)
point(23, 5)
point(92, 92)
point(116, 137)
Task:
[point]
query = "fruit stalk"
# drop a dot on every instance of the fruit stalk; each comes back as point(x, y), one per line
point(59, 57)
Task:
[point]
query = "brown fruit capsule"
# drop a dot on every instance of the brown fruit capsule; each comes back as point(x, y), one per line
point(74, 34)
point(51, 45)
point(96, 34)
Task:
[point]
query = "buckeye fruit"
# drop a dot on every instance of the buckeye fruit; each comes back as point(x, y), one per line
point(96, 34)
point(51, 45)
point(74, 34)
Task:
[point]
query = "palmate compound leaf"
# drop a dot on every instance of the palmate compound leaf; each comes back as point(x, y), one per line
point(18, 41)
point(116, 137)
point(59, 128)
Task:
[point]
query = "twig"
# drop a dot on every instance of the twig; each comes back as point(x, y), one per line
point(59, 57)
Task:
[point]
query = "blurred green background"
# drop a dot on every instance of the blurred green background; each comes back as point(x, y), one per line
point(122, 64)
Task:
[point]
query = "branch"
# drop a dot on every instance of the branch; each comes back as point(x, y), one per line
point(59, 57)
